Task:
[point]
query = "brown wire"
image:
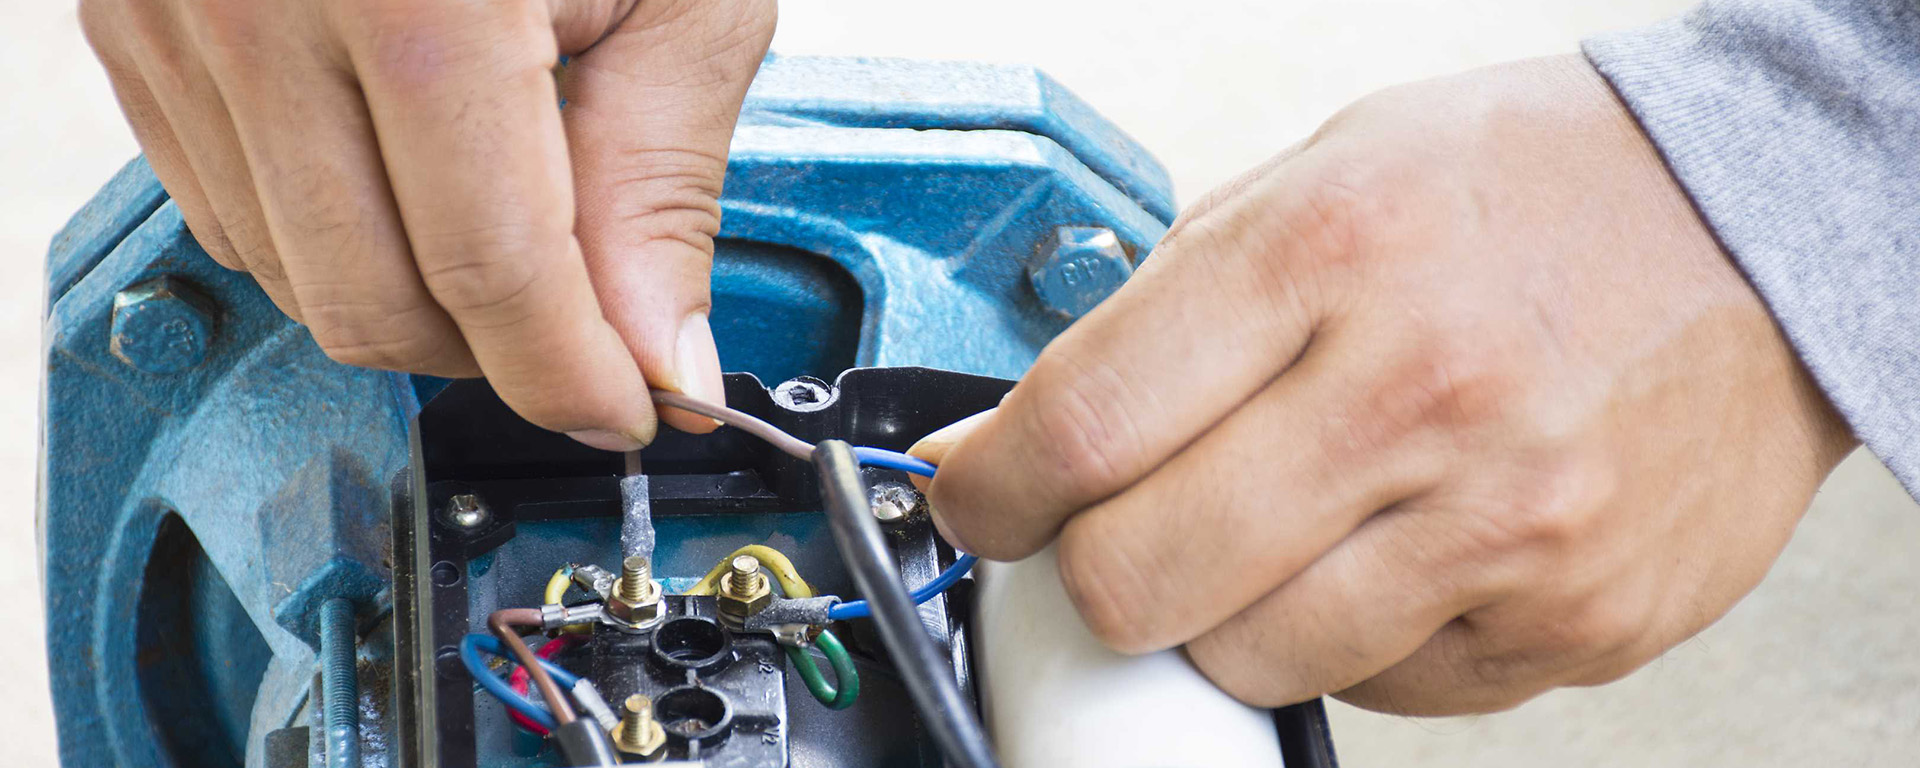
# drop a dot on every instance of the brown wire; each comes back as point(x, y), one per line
point(502, 623)
point(740, 420)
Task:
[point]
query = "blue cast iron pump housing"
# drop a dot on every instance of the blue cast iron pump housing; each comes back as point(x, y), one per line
point(256, 556)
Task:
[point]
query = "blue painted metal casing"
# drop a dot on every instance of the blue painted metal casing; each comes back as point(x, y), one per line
point(210, 477)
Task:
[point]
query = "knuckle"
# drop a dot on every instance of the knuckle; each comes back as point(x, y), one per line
point(664, 194)
point(712, 31)
point(486, 273)
point(390, 355)
point(251, 243)
point(1333, 211)
point(231, 29)
point(212, 237)
point(97, 21)
point(1082, 430)
point(1600, 628)
point(415, 45)
point(1444, 386)
point(352, 333)
point(1103, 589)
point(1551, 508)
point(1294, 235)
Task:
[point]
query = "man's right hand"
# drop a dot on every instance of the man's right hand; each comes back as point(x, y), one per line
point(397, 175)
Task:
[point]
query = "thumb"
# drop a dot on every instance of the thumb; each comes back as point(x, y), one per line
point(650, 111)
point(934, 449)
point(938, 443)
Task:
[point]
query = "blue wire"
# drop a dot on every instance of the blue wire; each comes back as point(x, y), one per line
point(470, 655)
point(470, 648)
point(885, 459)
point(491, 644)
point(856, 609)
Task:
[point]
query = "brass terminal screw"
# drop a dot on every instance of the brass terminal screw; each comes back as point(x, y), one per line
point(638, 733)
point(745, 577)
point(636, 581)
point(635, 603)
point(744, 592)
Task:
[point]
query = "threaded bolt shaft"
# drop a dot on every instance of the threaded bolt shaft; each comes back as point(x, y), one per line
point(636, 580)
point(639, 707)
point(745, 576)
point(340, 682)
point(637, 733)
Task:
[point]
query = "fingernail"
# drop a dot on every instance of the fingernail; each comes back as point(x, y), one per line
point(606, 441)
point(935, 446)
point(697, 362)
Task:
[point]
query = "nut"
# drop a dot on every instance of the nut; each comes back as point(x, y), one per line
point(635, 603)
point(638, 732)
point(744, 592)
point(1078, 267)
point(162, 326)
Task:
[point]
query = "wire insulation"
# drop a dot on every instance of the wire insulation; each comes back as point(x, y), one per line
point(924, 669)
point(927, 675)
point(518, 679)
point(502, 623)
point(885, 459)
point(740, 420)
point(557, 585)
point(776, 563)
point(491, 683)
point(845, 688)
point(858, 609)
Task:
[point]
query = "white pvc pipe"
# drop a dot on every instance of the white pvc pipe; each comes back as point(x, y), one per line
point(1056, 698)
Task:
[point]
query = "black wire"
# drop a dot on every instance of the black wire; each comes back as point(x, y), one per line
point(582, 743)
point(925, 671)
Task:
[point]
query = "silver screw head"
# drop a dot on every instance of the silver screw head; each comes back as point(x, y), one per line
point(804, 393)
point(1078, 267)
point(467, 511)
point(893, 502)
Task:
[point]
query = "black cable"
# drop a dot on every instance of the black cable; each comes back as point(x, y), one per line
point(925, 671)
point(582, 743)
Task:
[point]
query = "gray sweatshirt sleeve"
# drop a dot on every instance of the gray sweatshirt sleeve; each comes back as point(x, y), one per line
point(1795, 127)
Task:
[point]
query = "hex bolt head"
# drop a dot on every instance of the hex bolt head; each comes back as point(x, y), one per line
point(162, 326)
point(1078, 267)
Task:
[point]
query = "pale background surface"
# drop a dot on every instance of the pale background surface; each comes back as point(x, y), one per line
point(1818, 667)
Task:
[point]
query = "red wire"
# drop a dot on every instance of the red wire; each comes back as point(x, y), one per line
point(518, 679)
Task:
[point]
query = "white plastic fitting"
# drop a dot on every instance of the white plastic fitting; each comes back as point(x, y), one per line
point(1056, 698)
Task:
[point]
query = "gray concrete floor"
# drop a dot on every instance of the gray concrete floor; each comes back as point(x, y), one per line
point(1817, 667)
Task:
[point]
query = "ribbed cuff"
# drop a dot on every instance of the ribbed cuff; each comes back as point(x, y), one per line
point(1795, 127)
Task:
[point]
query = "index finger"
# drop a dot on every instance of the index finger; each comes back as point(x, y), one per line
point(1225, 304)
point(464, 103)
